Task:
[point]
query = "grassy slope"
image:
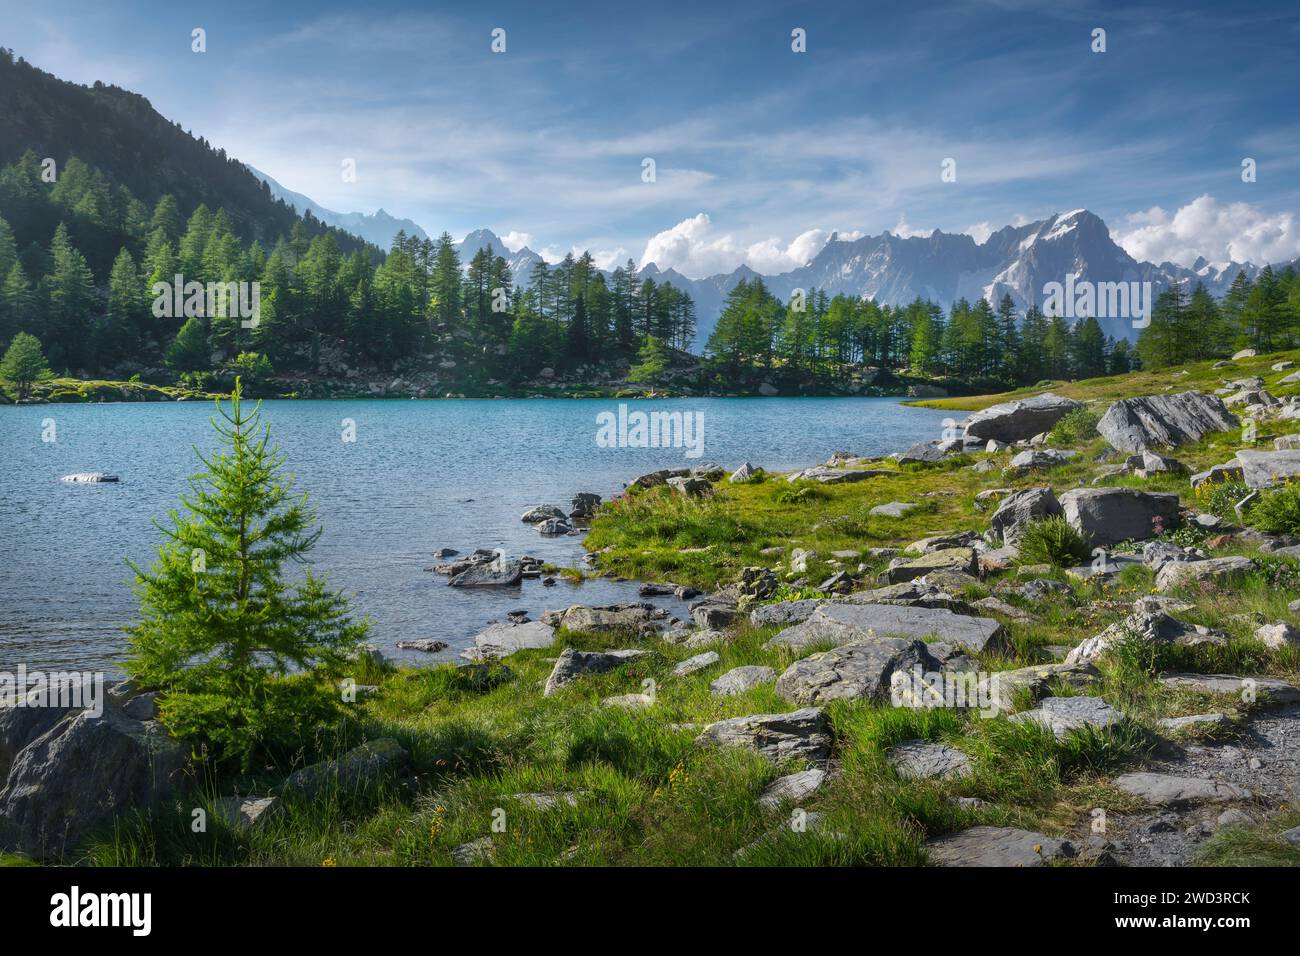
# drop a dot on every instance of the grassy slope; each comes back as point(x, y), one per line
point(1197, 376)
point(649, 796)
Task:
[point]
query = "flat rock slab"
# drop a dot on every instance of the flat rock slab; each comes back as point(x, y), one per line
point(925, 760)
point(1111, 515)
point(784, 613)
point(1194, 722)
point(1168, 790)
point(843, 622)
point(502, 640)
point(1016, 421)
point(629, 701)
point(838, 476)
point(792, 788)
point(997, 846)
point(1264, 469)
point(244, 812)
point(1135, 424)
point(740, 679)
point(1175, 574)
point(1001, 689)
point(804, 734)
point(697, 663)
point(1064, 715)
point(573, 664)
point(960, 560)
point(852, 672)
point(1277, 691)
point(895, 509)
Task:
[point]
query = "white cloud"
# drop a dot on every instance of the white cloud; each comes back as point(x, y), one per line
point(691, 248)
point(609, 259)
point(1221, 232)
point(979, 231)
point(904, 231)
point(514, 241)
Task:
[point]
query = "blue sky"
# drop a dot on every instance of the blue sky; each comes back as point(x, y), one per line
point(760, 152)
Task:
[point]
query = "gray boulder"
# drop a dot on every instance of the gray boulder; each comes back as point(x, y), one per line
point(540, 513)
point(1168, 790)
point(584, 505)
point(1216, 571)
point(655, 478)
point(1110, 515)
point(1150, 624)
point(359, 768)
point(1037, 459)
point(837, 476)
point(573, 664)
point(997, 846)
point(1020, 420)
point(959, 560)
point(784, 613)
point(843, 622)
point(1272, 689)
point(803, 734)
point(1062, 715)
point(1001, 689)
point(697, 663)
point(740, 679)
point(638, 618)
point(1135, 424)
point(502, 640)
point(1015, 511)
point(792, 788)
point(65, 771)
point(924, 760)
point(502, 572)
point(1264, 469)
point(852, 672)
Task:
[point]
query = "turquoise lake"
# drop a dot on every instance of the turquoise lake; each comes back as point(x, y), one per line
point(420, 475)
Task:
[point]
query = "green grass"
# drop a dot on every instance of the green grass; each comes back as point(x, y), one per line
point(647, 795)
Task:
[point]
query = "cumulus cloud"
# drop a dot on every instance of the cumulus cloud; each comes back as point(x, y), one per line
point(692, 249)
point(905, 231)
point(514, 241)
point(1221, 232)
point(980, 232)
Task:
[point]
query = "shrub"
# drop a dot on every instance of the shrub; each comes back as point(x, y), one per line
point(799, 494)
point(1220, 498)
point(1075, 428)
point(1052, 541)
point(1278, 511)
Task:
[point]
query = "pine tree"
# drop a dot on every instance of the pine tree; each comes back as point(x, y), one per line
point(17, 303)
point(24, 363)
point(118, 336)
point(244, 657)
point(189, 351)
point(653, 363)
point(69, 297)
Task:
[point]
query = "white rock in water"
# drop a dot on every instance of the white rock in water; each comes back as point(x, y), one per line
point(90, 477)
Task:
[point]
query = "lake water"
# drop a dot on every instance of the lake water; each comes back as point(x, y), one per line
point(420, 475)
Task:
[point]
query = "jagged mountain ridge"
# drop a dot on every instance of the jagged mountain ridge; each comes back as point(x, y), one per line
point(378, 228)
point(894, 270)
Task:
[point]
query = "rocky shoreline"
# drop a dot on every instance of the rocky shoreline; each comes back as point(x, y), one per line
point(882, 614)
